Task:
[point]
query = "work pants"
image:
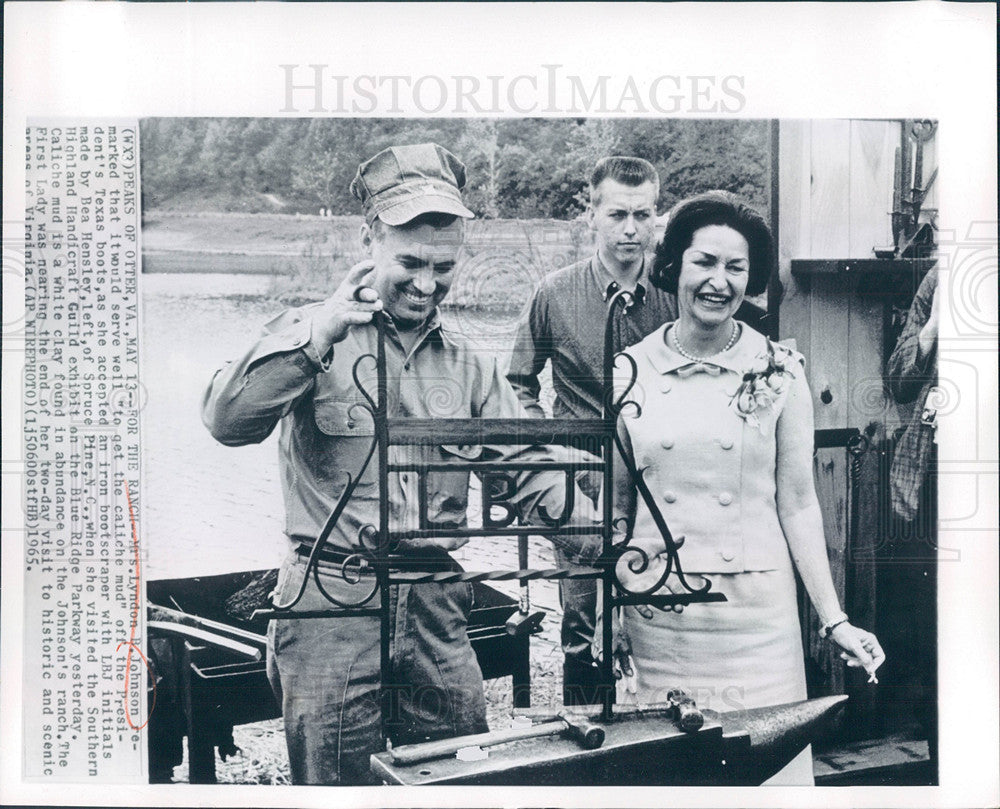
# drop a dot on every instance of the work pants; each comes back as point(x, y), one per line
point(325, 673)
point(581, 677)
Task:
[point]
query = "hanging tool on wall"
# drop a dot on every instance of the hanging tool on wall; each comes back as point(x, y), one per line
point(909, 234)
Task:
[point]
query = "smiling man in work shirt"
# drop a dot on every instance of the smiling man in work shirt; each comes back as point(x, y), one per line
point(299, 374)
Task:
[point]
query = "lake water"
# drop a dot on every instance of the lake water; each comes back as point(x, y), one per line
point(208, 508)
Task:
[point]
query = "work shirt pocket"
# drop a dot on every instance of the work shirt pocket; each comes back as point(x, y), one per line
point(335, 442)
point(339, 417)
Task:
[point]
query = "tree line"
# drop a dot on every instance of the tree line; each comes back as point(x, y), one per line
point(517, 168)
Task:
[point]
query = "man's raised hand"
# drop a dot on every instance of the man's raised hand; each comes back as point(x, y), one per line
point(352, 304)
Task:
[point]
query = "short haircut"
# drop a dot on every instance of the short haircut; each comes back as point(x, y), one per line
point(713, 208)
point(435, 219)
point(632, 171)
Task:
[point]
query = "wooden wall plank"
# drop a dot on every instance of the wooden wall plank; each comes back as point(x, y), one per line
point(872, 155)
point(829, 192)
point(829, 380)
point(867, 402)
point(830, 238)
point(794, 170)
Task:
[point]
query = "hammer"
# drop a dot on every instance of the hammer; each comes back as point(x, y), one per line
point(524, 621)
point(688, 716)
point(589, 736)
point(679, 706)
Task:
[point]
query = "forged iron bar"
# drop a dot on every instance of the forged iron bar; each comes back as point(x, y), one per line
point(497, 466)
point(609, 412)
point(167, 615)
point(434, 432)
point(451, 576)
point(485, 531)
point(673, 600)
point(367, 612)
point(388, 698)
point(203, 636)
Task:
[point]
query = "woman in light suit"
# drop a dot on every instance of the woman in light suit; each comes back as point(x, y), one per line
point(724, 441)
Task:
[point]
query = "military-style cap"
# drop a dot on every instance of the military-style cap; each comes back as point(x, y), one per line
point(402, 182)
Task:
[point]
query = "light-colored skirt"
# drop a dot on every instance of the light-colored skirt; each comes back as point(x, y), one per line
point(745, 652)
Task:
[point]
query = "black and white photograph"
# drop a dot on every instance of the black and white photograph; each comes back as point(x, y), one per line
point(594, 432)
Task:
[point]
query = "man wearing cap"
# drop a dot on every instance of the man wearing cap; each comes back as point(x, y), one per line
point(300, 374)
point(563, 324)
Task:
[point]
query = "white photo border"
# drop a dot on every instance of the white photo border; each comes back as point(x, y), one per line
point(795, 60)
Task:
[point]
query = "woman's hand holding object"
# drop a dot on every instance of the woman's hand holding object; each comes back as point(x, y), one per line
point(861, 648)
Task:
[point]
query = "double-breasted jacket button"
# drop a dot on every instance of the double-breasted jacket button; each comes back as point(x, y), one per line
point(726, 443)
point(669, 496)
point(728, 556)
point(725, 498)
point(667, 442)
point(665, 387)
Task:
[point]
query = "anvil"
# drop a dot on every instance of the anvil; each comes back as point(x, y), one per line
point(737, 748)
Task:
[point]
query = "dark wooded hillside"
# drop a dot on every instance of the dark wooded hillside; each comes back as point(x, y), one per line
point(522, 168)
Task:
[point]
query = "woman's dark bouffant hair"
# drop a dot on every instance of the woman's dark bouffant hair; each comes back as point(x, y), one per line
point(713, 208)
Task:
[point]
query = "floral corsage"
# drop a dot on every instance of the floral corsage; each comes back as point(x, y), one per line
point(763, 383)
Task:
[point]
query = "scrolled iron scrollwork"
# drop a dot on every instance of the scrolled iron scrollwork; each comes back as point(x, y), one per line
point(622, 549)
point(371, 404)
point(350, 569)
point(620, 402)
point(350, 572)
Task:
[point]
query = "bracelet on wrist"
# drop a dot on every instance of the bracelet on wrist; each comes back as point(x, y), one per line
point(833, 623)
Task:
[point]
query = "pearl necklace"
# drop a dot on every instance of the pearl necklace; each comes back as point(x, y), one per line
point(692, 357)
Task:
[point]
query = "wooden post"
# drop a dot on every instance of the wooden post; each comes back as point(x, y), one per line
point(835, 197)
